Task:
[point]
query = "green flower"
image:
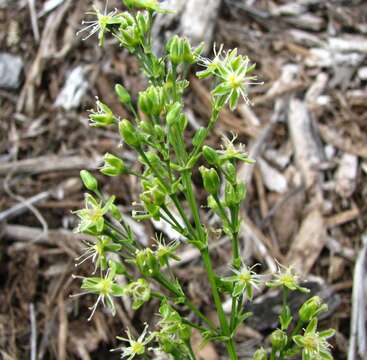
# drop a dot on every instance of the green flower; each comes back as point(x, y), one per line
point(105, 287)
point(244, 281)
point(92, 216)
point(314, 344)
point(103, 116)
point(136, 347)
point(232, 71)
point(286, 278)
point(101, 24)
point(165, 252)
point(140, 292)
point(97, 252)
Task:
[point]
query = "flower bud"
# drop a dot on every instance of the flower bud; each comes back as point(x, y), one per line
point(260, 355)
point(143, 23)
point(211, 156)
point(278, 339)
point(129, 134)
point(179, 51)
point(210, 179)
point(230, 171)
point(151, 101)
point(89, 181)
point(230, 196)
point(122, 94)
point(159, 133)
point(147, 262)
point(173, 115)
point(199, 136)
point(113, 165)
point(311, 308)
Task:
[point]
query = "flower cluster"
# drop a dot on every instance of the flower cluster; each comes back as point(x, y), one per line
point(155, 128)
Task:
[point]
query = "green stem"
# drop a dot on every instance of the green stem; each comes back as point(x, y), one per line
point(168, 285)
point(191, 352)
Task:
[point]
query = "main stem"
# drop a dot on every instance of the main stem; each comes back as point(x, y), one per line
point(187, 182)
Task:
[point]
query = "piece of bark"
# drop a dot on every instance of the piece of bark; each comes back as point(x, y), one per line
point(308, 243)
point(346, 175)
point(320, 57)
point(357, 341)
point(306, 147)
point(331, 136)
point(273, 179)
point(49, 164)
point(59, 192)
point(311, 237)
point(348, 44)
point(194, 19)
point(75, 88)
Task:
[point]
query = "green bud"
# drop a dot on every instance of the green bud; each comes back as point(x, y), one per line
point(113, 165)
point(179, 51)
point(143, 23)
point(129, 134)
point(210, 179)
point(211, 156)
point(212, 204)
point(260, 355)
point(230, 171)
point(230, 196)
point(89, 181)
point(151, 101)
point(311, 308)
point(199, 136)
point(159, 133)
point(147, 262)
point(122, 94)
point(159, 196)
point(278, 339)
point(173, 115)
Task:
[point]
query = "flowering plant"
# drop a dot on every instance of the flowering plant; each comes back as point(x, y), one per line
point(156, 132)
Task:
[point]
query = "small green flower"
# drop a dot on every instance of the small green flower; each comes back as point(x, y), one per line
point(103, 116)
point(136, 347)
point(232, 71)
point(105, 287)
point(92, 216)
point(97, 252)
point(244, 281)
point(140, 292)
point(314, 344)
point(101, 24)
point(286, 278)
point(166, 252)
point(231, 152)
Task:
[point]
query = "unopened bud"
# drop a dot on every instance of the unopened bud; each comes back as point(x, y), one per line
point(113, 165)
point(211, 156)
point(122, 94)
point(89, 181)
point(129, 134)
point(210, 179)
point(311, 308)
point(260, 355)
point(278, 339)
